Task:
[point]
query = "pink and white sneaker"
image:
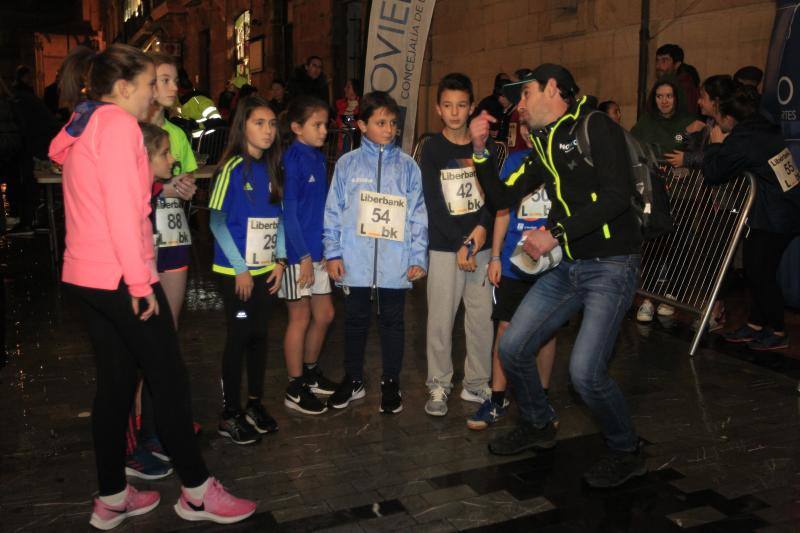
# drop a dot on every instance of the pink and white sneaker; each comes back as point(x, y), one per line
point(136, 503)
point(217, 505)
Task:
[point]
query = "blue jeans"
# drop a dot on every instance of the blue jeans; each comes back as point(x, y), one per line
point(603, 288)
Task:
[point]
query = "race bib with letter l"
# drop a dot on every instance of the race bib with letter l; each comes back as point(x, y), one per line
point(262, 239)
point(381, 216)
point(460, 189)
point(785, 170)
point(171, 224)
point(534, 206)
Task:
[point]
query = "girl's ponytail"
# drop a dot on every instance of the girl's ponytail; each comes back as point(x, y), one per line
point(74, 76)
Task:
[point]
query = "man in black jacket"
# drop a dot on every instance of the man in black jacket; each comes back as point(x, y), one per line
point(592, 221)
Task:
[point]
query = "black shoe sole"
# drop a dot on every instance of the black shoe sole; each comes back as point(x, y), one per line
point(291, 405)
point(533, 446)
point(636, 473)
point(257, 428)
point(239, 442)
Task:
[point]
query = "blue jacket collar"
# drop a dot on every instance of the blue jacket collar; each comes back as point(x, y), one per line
point(373, 148)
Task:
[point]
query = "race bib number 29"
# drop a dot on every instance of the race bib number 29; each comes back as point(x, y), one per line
point(460, 189)
point(381, 216)
point(262, 239)
point(785, 170)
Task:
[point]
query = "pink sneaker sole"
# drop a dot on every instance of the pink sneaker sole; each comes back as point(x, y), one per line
point(105, 525)
point(195, 516)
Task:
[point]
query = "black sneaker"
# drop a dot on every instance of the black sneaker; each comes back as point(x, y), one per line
point(317, 382)
point(259, 418)
point(299, 397)
point(345, 393)
point(391, 397)
point(238, 429)
point(524, 437)
point(615, 468)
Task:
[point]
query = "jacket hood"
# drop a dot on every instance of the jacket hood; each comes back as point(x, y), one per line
point(69, 134)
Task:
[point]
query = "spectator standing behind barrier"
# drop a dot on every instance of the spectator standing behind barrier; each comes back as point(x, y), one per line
point(612, 109)
point(195, 105)
point(599, 234)
point(741, 141)
point(663, 125)
point(309, 79)
point(749, 75)
point(497, 106)
point(278, 96)
point(669, 61)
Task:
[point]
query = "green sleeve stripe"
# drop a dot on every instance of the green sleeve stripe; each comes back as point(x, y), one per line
point(221, 183)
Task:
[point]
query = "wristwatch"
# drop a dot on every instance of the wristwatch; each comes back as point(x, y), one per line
point(558, 234)
point(282, 261)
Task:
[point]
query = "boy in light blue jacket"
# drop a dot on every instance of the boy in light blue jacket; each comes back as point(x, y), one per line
point(376, 244)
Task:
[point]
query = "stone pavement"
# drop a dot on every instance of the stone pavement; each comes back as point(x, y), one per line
point(722, 433)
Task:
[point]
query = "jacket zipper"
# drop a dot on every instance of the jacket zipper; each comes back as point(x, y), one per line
point(375, 258)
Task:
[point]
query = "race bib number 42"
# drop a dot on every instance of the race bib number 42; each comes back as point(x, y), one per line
point(262, 239)
point(785, 170)
point(381, 216)
point(460, 189)
point(171, 224)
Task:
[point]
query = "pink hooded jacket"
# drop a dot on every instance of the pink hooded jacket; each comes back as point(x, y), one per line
point(107, 187)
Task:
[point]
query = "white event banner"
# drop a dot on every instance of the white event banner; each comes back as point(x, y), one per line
point(398, 31)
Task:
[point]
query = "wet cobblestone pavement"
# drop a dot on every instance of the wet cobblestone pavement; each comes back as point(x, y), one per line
point(722, 433)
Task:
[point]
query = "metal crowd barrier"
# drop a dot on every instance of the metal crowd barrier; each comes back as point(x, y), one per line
point(686, 268)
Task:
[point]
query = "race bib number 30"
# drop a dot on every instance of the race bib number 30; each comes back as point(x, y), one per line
point(785, 170)
point(262, 239)
point(381, 216)
point(171, 224)
point(460, 189)
point(535, 206)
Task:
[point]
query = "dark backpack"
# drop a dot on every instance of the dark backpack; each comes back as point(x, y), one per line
point(651, 202)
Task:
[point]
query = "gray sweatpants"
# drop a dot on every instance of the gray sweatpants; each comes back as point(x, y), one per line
point(447, 286)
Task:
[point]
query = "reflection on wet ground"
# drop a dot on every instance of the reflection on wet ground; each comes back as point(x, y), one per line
point(722, 434)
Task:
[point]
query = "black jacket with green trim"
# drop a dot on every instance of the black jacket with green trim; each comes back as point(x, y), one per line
point(591, 203)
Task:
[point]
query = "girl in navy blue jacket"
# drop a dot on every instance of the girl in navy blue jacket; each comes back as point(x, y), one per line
point(306, 287)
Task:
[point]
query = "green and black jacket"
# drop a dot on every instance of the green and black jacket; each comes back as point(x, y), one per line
point(591, 203)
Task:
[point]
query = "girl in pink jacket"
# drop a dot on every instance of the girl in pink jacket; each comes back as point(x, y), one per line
point(109, 267)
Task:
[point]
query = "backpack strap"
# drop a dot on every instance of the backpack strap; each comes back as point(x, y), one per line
point(584, 145)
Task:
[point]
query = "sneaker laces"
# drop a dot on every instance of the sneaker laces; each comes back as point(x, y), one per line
point(216, 489)
point(438, 394)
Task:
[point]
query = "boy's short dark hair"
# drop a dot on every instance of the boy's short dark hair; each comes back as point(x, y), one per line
point(373, 101)
point(672, 50)
point(455, 81)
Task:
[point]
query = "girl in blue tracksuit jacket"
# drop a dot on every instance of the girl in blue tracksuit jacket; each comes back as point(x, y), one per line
point(306, 286)
point(376, 239)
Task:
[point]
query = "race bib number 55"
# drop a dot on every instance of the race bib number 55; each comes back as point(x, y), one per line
point(381, 216)
point(785, 170)
point(262, 239)
point(460, 189)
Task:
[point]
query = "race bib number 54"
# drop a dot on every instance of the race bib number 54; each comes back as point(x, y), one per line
point(381, 216)
point(785, 170)
point(262, 238)
point(460, 189)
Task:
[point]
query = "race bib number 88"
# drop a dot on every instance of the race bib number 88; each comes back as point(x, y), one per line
point(460, 189)
point(262, 239)
point(171, 224)
point(381, 216)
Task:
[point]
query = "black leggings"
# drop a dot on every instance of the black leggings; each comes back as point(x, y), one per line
point(763, 251)
point(124, 344)
point(391, 329)
point(246, 334)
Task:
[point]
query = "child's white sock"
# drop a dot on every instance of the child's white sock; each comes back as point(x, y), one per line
point(197, 493)
point(115, 500)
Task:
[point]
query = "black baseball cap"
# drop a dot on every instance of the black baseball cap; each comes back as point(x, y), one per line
point(542, 74)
